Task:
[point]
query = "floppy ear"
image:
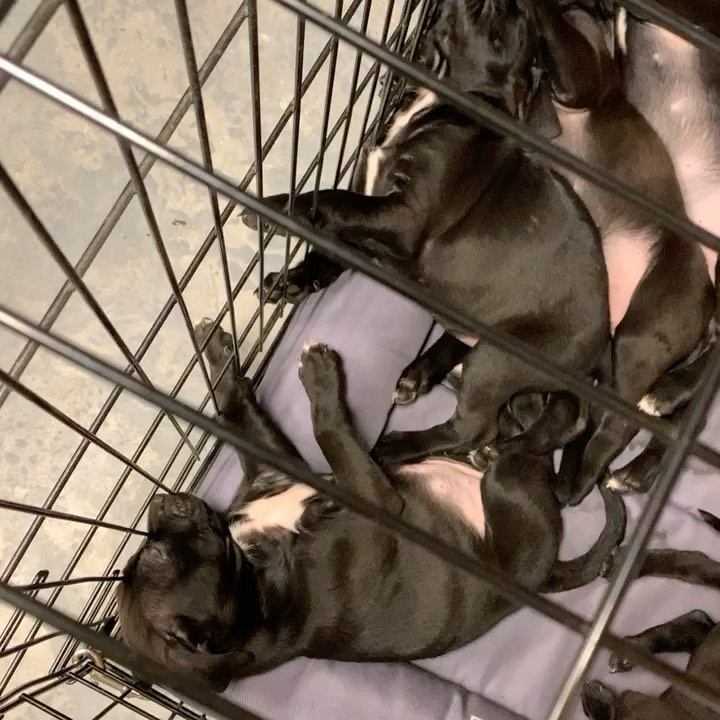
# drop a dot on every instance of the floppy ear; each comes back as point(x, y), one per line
point(598, 701)
point(542, 116)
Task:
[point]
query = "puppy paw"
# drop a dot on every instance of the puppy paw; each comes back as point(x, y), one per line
point(320, 370)
point(621, 482)
point(220, 346)
point(250, 219)
point(406, 391)
point(649, 406)
point(612, 560)
point(598, 701)
point(414, 382)
point(483, 458)
point(637, 476)
point(619, 664)
point(295, 287)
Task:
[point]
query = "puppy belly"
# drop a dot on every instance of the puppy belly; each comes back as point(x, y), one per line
point(455, 487)
point(700, 187)
point(627, 257)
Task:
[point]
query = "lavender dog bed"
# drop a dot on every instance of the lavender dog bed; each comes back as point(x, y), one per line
point(516, 670)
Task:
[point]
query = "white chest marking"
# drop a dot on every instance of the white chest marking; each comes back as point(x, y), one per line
point(621, 29)
point(455, 486)
point(423, 101)
point(376, 156)
point(374, 162)
point(282, 511)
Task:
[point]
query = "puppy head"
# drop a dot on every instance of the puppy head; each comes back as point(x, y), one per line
point(484, 46)
point(181, 600)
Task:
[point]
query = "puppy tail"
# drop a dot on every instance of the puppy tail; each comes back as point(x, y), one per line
point(571, 574)
point(712, 520)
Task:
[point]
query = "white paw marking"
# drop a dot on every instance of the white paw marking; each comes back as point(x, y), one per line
point(647, 405)
point(614, 484)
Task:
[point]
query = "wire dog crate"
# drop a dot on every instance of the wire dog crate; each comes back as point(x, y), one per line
point(73, 506)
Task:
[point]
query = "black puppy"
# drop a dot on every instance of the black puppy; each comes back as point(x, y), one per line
point(661, 294)
point(479, 222)
point(695, 633)
point(677, 88)
point(288, 573)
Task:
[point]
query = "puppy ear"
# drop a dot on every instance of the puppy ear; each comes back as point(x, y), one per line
point(598, 701)
point(542, 116)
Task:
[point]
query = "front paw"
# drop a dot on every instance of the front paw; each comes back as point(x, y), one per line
point(219, 347)
point(613, 560)
point(635, 477)
point(296, 287)
point(598, 701)
point(619, 664)
point(320, 370)
point(413, 383)
point(250, 219)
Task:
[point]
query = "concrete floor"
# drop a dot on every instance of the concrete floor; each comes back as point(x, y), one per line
point(71, 173)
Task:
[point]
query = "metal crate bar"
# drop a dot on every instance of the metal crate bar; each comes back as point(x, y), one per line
point(127, 194)
point(669, 472)
point(685, 438)
point(204, 138)
point(251, 356)
point(77, 282)
point(103, 233)
point(68, 422)
point(31, 31)
point(473, 566)
point(58, 515)
point(41, 684)
point(186, 687)
point(358, 261)
point(50, 636)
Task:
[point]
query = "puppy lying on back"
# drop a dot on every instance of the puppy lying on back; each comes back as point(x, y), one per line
point(288, 573)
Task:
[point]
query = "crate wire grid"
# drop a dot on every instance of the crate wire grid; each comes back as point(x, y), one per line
point(22, 636)
point(68, 666)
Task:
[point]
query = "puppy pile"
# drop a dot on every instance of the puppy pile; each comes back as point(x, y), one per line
point(490, 230)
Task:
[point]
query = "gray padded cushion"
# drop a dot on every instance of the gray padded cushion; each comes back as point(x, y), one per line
point(520, 664)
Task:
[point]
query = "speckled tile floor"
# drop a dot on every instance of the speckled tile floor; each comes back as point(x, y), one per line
point(72, 174)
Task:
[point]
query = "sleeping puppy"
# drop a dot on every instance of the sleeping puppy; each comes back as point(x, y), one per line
point(677, 88)
point(661, 291)
point(479, 222)
point(288, 573)
point(695, 633)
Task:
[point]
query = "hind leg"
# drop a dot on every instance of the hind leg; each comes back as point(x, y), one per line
point(681, 635)
point(563, 418)
point(429, 369)
point(524, 516)
point(664, 323)
point(237, 403)
point(312, 274)
point(675, 389)
point(490, 378)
